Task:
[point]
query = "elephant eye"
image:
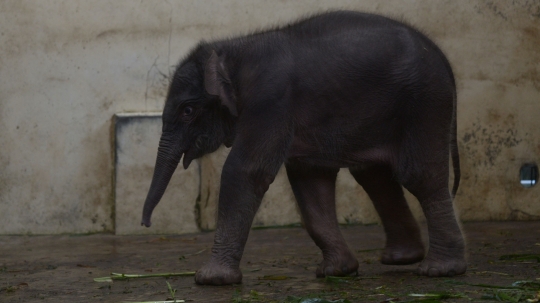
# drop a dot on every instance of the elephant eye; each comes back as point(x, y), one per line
point(188, 110)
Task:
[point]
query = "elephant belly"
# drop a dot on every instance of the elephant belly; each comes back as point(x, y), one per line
point(333, 154)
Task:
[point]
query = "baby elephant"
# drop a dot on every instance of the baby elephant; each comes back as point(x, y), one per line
point(340, 89)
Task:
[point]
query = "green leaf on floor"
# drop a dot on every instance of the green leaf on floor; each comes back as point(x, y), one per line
point(293, 299)
point(118, 276)
point(275, 277)
point(438, 295)
point(520, 257)
point(511, 296)
point(520, 285)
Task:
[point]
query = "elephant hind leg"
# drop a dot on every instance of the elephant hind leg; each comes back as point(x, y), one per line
point(446, 254)
point(403, 239)
point(314, 189)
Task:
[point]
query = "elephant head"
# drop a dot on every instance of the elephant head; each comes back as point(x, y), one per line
point(199, 116)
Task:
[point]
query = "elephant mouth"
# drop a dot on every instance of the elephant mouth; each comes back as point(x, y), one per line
point(196, 150)
point(189, 155)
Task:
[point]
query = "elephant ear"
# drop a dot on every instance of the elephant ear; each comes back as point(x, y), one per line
point(218, 83)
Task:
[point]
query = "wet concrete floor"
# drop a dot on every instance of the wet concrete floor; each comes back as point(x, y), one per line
point(278, 266)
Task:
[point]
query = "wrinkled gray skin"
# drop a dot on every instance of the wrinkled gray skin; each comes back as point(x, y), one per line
point(341, 89)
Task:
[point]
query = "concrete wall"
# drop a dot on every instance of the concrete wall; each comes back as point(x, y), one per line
point(66, 67)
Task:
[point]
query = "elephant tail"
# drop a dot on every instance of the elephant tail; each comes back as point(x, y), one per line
point(454, 149)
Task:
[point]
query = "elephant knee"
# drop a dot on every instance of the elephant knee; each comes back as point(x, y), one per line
point(261, 182)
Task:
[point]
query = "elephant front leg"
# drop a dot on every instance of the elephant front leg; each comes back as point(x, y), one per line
point(239, 198)
point(314, 189)
point(249, 170)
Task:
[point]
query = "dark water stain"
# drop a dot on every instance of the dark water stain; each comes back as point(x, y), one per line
point(531, 32)
point(484, 142)
point(492, 6)
point(507, 10)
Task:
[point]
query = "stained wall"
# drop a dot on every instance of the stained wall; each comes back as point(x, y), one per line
point(67, 67)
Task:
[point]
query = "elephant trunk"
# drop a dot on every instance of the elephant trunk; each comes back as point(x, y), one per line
point(166, 163)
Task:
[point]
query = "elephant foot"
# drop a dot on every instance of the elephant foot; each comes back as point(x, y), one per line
point(403, 254)
point(446, 264)
point(214, 273)
point(339, 264)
